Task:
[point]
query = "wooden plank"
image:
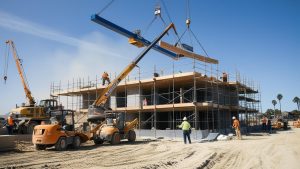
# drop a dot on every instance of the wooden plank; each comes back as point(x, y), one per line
point(187, 53)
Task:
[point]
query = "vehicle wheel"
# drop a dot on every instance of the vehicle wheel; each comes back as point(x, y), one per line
point(40, 147)
point(30, 127)
point(61, 144)
point(76, 142)
point(115, 139)
point(98, 141)
point(131, 136)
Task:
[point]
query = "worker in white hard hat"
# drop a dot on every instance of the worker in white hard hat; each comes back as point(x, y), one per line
point(10, 124)
point(186, 128)
point(236, 126)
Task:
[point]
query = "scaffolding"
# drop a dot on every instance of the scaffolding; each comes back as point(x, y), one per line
point(161, 98)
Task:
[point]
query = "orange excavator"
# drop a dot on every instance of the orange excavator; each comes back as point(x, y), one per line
point(27, 116)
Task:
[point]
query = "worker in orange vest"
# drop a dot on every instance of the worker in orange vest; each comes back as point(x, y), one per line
point(236, 126)
point(105, 78)
point(10, 124)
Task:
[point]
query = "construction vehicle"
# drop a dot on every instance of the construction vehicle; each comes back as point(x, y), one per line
point(296, 124)
point(99, 111)
point(115, 129)
point(279, 123)
point(60, 133)
point(27, 116)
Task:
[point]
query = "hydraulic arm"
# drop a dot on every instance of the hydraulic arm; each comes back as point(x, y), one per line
point(99, 106)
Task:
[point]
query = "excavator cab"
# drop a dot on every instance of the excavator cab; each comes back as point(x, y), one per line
point(115, 119)
point(49, 103)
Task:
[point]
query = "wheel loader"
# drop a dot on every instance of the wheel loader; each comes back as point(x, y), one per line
point(115, 129)
point(280, 123)
point(60, 133)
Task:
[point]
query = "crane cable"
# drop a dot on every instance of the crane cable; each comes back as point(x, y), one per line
point(105, 7)
point(157, 12)
point(191, 33)
point(6, 53)
point(19, 60)
point(170, 20)
point(188, 21)
point(199, 43)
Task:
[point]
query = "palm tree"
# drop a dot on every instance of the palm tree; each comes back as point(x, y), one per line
point(297, 101)
point(279, 97)
point(274, 102)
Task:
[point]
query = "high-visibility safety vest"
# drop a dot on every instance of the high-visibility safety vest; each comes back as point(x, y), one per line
point(10, 121)
point(236, 124)
point(104, 75)
point(185, 125)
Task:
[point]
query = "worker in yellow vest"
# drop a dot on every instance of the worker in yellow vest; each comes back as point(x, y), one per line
point(186, 128)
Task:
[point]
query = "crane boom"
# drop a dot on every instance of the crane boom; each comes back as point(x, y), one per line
point(102, 99)
point(21, 72)
point(99, 20)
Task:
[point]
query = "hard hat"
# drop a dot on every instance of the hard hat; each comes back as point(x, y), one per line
point(184, 119)
point(233, 117)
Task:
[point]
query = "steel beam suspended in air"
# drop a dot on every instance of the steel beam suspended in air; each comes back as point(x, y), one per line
point(96, 18)
point(187, 53)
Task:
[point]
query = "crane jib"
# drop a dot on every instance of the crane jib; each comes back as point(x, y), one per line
point(108, 93)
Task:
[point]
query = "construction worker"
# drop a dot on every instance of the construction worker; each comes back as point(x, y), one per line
point(145, 103)
point(10, 124)
point(264, 123)
point(186, 128)
point(225, 77)
point(105, 78)
point(269, 125)
point(236, 126)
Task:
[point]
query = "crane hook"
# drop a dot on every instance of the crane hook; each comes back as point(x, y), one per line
point(188, 22)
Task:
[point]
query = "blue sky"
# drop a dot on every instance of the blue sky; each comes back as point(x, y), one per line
point(57, 41)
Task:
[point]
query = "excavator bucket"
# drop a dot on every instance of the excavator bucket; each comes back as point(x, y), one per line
point(132, 124)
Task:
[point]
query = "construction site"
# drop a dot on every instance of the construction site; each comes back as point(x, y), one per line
point(188, 112)
point(161, 100)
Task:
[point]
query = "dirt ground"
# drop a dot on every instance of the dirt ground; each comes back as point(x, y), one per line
point(281, 150)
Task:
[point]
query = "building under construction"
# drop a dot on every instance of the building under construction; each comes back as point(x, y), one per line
point(205, 96)
point(161, 99)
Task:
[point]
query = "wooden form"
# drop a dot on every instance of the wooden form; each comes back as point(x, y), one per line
point(187, 53)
